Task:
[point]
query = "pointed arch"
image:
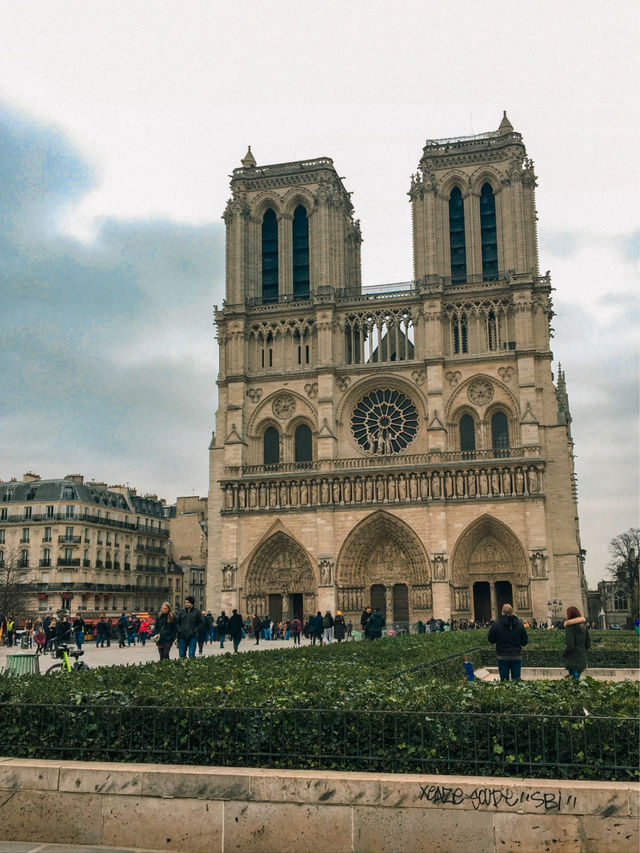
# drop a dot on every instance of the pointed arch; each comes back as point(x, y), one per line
point(279, 567)
point(488, 549)
point(269, 256)
point(379, 529)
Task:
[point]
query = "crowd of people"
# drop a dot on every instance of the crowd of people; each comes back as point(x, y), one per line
point(190, 629)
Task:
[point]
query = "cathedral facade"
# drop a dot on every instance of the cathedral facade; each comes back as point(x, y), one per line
point(403, 446)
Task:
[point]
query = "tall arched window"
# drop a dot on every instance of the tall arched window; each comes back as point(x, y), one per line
point(456, 237)
point(467, 437)
point(500, 434)
point(488, 234)
point(620, 601)
point(269, 257)
point(300, 228)
point(303, 445)
point(460, 336)
point(271, 446)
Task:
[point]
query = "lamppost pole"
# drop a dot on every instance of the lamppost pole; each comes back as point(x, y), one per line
point(554, 607)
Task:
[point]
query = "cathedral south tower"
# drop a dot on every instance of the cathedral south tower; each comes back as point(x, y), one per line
point(401, 447)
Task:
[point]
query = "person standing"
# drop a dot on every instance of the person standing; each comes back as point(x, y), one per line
point(235, 628)
point(509, 635)
point(202, 633)
point(296, 630)
point(256, 627)
point(364, 619)
point(189, 622)
point(375, 624)
point(78, 630)
point(208, 621)
point(165, 629)
point(339, 627)
point(101, 633)
point(143, 631)
point(122, 630)
point(222, 623)
point(315, 628)
point(577, 642)
point(327, 627)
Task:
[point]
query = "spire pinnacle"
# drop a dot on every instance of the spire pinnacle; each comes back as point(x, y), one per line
point(249, 161)
point(505, 125)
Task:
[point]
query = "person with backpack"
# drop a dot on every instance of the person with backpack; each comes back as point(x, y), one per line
point(509, 635)
point(296, 630)
point(339, 627)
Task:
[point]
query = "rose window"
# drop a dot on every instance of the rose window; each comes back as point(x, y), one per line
point(384, 421)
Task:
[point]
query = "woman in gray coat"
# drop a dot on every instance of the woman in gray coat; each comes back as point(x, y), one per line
point(576, 642)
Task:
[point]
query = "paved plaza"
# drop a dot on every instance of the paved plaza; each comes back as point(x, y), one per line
point(115, 656)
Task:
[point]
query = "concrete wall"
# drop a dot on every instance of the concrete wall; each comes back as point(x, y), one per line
point(218, 810)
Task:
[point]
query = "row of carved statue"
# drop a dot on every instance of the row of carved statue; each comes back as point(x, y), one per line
point(388, 488)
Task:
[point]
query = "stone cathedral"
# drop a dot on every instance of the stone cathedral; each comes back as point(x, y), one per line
point(400, 446)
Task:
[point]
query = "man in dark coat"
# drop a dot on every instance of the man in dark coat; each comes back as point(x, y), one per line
point(222, 623)
point(235, 628)
point(190, 620)
point(375, 624)
point(509, 635)
point(364, 619)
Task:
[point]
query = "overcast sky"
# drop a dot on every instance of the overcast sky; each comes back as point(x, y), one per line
point(120, 123)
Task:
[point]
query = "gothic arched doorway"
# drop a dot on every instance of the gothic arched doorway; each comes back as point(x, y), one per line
point(279, 580)
point(383, 564)
point(489, 569)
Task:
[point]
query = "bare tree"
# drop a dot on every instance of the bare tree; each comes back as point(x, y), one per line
point(16, 581)
point(624, 563)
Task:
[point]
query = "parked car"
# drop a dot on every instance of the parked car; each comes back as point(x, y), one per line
point(614, 627)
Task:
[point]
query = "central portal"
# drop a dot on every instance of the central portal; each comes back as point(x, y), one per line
point(383, 564)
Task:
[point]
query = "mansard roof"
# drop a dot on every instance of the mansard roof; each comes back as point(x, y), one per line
point(64, 489)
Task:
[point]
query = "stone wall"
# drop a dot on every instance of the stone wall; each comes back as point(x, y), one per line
point(218, 810)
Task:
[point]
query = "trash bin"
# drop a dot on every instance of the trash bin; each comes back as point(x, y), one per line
point(24, 642)
point(23, 663)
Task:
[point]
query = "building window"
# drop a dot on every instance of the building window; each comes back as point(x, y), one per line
point(500, 434)
point(46, 537)
point(68, 555)
point(27, 511)
point(50, 512)
point(46, 557)
point(69, 511)
point(269, 257)
point(25, 534)
point(303, 444)
point(1, 559)
point(457, 238)
point(488, 234)
point(24, 558)
point(460, 335)
point(271, 446)
point(492, 330)
point(467, 436)
point(4, 514)
point(68, 494)
point(300, 228)
point(1, 537)
point(68, 533)
point(620, 601)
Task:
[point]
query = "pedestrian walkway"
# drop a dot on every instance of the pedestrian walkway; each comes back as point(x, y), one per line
point(115, 656)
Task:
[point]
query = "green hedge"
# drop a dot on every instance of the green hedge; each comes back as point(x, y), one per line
point(397, 704)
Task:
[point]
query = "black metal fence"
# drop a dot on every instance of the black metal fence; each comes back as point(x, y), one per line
point(535, 746)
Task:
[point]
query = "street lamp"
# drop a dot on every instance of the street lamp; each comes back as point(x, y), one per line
point(554, 608)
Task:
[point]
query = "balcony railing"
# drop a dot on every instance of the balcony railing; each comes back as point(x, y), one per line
point(408, 460)
point(45, 562)
point(63, 561)
point(70, 540)
point(86, 518)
